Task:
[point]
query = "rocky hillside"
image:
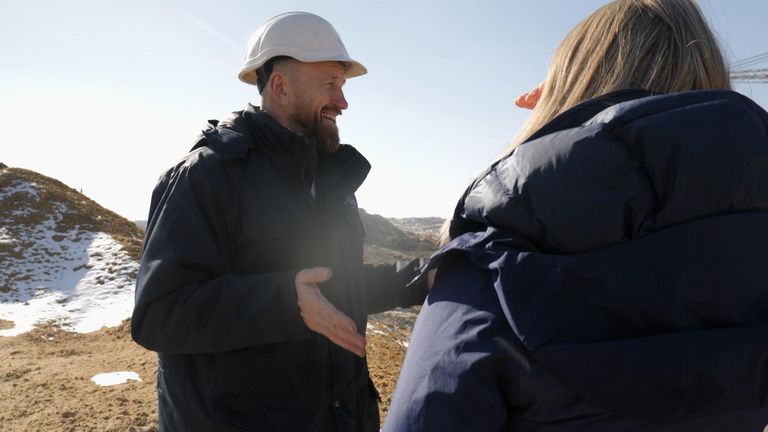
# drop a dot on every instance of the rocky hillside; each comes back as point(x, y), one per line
point(61, 253)
point(385, 242)
point(425, 227)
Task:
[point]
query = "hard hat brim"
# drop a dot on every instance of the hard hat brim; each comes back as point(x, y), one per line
point(247, 73)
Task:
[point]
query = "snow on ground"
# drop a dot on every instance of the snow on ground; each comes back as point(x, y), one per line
point(82, 280)
point(29, 188)
point(114, 378)
point(394, 324)
point(87, 285)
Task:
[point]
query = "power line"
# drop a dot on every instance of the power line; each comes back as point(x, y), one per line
point(740, 72)
point(749, 61)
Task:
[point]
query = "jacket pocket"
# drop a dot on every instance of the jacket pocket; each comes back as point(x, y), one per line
point(259, 372)
point(174, 410)
point(282, 413)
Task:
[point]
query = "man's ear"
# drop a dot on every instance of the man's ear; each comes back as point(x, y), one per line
point(280, 88)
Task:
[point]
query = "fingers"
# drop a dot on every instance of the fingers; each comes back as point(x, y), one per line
point(343, 332)
point(521, 102)
point(321, 316)
point(530, 99)
point(314, 275)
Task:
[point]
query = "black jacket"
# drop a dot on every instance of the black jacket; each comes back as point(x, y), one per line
point(229, 227)
point(609, 275)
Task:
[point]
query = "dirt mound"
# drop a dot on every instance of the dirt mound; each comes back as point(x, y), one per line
point(61, 255)
point(383, 234)
point(30, 198)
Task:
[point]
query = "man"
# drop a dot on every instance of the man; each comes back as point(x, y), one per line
point(252, 287)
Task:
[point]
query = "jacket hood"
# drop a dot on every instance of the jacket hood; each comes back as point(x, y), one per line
point(622, 166)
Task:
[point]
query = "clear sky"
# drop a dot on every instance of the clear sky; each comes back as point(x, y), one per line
point(105, 95)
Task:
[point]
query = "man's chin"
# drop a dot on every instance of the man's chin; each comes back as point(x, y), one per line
point(329, 140)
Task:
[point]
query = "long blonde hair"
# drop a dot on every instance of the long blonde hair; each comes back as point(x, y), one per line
point(663, 46)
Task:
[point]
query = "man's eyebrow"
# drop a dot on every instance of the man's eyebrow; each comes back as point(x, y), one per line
point(330, 76)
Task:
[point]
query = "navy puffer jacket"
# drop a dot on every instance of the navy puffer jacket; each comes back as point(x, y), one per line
point(608, 275)
point(229, 227)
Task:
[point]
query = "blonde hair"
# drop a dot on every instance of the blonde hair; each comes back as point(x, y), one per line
point(663, 46)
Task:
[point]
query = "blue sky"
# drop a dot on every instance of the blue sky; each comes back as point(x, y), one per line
point(106, 95)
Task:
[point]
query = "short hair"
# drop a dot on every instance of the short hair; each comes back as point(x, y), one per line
point(264, 72)
point(663, 46)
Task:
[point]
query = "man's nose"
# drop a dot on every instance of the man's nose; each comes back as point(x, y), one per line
point(339, 100)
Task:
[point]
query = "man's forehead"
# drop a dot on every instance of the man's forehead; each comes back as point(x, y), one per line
point(326, 69)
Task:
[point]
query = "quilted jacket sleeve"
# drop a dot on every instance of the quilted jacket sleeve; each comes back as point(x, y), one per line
point(187, 300)
point(388, 286)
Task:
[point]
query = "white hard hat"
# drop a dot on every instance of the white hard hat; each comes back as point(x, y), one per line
point(301, 35)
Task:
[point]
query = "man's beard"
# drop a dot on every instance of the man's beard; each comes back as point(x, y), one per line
point(314, 126)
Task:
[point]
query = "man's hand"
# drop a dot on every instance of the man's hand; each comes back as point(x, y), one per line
point(323, 317)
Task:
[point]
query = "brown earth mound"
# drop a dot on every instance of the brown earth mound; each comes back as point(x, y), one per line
point(81, 213)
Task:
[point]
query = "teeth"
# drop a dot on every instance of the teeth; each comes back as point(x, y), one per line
point(327, 117)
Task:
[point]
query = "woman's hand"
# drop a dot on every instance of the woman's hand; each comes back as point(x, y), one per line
point(530, 99)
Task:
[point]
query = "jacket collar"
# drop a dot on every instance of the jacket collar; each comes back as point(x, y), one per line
point(622, 166)
point(340, 174)
point(583, 112)
point(337, 174)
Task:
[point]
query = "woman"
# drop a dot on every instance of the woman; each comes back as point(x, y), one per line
point(607, 273)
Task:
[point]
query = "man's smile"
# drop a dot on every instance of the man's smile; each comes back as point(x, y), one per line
point(330, 114)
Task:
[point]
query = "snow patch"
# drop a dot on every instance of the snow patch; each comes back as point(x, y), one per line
point(20, 187)
point(6, 237)
point(114, 378)
point(82, 280)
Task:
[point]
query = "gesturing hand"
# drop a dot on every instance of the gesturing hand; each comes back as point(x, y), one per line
point(321, 316)
point(530, 99)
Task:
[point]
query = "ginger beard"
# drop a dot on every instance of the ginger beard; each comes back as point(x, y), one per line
point(319, 125)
